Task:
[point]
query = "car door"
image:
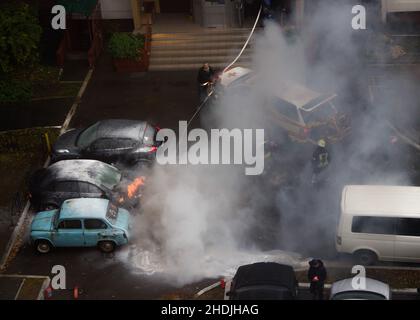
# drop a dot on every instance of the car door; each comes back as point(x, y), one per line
point(407, 241)
point(94, 231)
point(68, 233)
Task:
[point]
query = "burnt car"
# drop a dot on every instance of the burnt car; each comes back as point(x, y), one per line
point(111, 141)
point(263, 281)
point(304, 114)
point(70, 179)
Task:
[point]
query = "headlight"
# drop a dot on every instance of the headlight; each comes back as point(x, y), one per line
point(62, 151)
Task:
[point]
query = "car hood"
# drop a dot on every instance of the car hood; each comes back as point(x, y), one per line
point(43, 221)
point(67, 140)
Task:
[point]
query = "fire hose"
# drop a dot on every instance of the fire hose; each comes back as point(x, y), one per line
point(203, 103)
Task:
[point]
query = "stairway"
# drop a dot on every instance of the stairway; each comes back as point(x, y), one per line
point(188, 51)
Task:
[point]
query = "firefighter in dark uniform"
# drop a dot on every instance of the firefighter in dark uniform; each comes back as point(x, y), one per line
point(320, 159)
point(317, 274)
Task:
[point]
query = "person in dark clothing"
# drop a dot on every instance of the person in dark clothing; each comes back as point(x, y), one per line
point(320, 159)
point(204, 78)
point(317, 274)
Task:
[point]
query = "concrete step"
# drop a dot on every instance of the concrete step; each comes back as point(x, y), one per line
point(206, 34)
point(196, 59)
point(212, 38)
point(193, 52)
point(198, 43)
point(192, 66)
point(187, 51)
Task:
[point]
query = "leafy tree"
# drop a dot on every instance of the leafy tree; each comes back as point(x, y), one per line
point(20, 33)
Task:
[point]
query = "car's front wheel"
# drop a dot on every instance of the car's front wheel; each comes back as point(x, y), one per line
point(106, 246)
point(43, 246)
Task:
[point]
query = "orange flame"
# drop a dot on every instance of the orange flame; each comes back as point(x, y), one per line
point(134, 186)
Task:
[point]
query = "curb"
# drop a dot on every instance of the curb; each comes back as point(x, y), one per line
point(18, 228)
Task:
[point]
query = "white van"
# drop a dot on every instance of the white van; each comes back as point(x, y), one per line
point(380, 223)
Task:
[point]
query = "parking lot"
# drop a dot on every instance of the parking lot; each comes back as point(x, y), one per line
point(198, 224)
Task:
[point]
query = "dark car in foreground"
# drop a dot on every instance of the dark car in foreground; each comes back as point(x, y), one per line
point(263, 281)
point(69, 179)
point(110, 141)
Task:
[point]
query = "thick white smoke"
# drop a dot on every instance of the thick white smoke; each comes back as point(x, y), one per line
point(204, 221)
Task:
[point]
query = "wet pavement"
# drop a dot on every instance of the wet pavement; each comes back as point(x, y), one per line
point(165, 98)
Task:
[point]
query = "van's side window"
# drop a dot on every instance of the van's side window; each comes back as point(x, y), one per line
point(375, 225)
point(408, 227)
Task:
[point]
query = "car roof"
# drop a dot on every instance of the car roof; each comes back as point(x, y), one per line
point(121, 128)
point(91, 171)
point(372, 285)
point(289, 91)
point(265, 273)
point(380, 200)
point(84, 208)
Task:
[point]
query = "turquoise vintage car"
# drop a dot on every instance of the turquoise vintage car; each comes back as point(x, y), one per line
point(84, 222)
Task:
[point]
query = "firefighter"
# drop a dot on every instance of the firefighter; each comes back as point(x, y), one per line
point(317, 274)
point(320, 159)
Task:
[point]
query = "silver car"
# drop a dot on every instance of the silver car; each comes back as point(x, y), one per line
point(372, 290)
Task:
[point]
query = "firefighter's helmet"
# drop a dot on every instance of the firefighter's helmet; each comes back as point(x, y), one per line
point(322, 143)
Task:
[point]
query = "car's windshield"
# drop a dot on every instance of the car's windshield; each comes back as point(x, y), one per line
point(112, 213)
point(109, 176)
point(358, 295)
point(87, 136)
point(321, 113)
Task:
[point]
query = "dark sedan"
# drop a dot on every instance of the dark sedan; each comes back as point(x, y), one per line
point(70, 179)
point(264, 281)
point(111, 141)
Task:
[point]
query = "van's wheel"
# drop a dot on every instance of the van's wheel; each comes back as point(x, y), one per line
point(43, 246)
point(106, 246)
point(366, 257)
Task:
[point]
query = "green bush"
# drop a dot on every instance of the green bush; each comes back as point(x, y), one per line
point(20, 34)
point(125, 45)
point(12, 90)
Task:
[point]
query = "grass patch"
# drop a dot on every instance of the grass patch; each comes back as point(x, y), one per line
point(61, 89)
point(21, 153)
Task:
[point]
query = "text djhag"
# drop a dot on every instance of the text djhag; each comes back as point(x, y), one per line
point(219, 149)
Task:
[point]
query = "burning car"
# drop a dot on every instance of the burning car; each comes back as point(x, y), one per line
point(110, 141)
point(263, 281)
point(306, 115)
point(68, 179)
point(81, 223)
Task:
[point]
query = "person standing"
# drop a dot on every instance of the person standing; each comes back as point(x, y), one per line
point(320, 159)
point(204, 79)
point(317, 274)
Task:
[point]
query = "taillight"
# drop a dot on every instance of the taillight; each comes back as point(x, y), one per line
point(152, 149)
point(306, 132)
